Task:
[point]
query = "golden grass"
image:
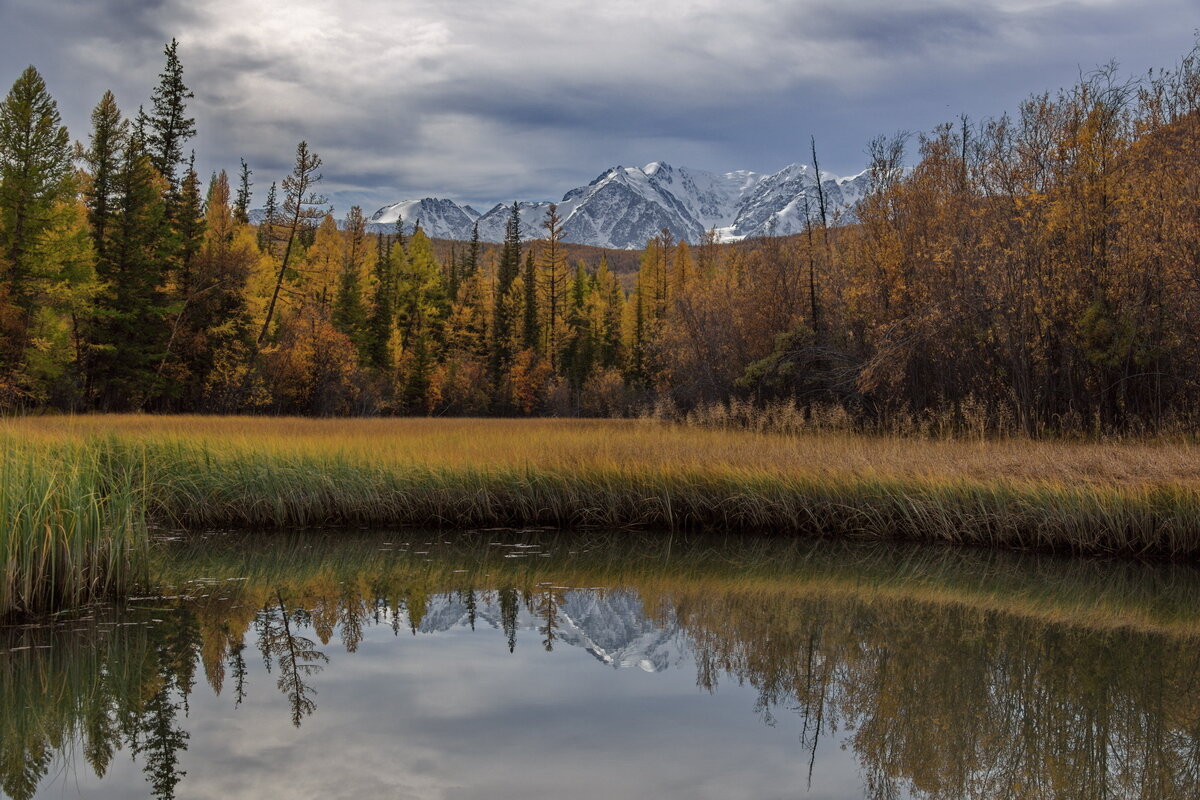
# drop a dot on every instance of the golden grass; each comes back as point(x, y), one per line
point(229, 472)
point(646, 444)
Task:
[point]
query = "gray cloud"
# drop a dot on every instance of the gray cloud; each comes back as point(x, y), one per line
point(487, 101)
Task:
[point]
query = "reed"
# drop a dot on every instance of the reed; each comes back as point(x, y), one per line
point(74, 527)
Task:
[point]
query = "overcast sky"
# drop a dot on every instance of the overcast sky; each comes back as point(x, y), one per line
point(492, 101)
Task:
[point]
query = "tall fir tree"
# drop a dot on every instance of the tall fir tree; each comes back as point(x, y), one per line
point(266, 228)
point(168, 126)
point(382, 320)
point(241, 207)
point(189, 228)
point(102, 158)
point(130, 334)
point(531, 329)
point(506, 310)
point(350, 312)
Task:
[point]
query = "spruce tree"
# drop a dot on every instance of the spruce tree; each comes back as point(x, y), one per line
point(241, 207)
point(349, 310)
point(505, 316)
point(266, 228)
point(131, 330)
point(169, 127)
point(470, 264)
point(532, 333)
point(383, 312)
point(189, 225)
point(102, 158)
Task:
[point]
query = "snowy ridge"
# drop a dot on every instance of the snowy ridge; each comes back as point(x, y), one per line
point(625, 206)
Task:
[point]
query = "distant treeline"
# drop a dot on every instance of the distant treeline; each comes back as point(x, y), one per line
point(1034, 272)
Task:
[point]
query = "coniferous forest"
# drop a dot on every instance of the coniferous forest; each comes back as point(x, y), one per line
point(1033, 272)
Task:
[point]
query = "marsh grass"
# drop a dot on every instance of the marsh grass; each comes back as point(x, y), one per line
point(78, 492)
point(74, 524)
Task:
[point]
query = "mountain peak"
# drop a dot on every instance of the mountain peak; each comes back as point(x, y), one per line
point(623, 207)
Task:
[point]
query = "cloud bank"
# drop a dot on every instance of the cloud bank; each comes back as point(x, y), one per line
point(485, 102)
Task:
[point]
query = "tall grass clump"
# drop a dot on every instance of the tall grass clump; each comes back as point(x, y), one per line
point(74, 527)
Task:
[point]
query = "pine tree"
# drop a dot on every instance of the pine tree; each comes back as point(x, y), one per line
point(381, 323)
point(350, 312)
point(266, 228)
point(612, 300)
point(452, 273)
point(102, 158)
point(470, 263)
point(189, 227)
point(531, 329)
point(169, 127)
point(241, 208)
point(506, 312)
point(131, 331)
point(579, 346)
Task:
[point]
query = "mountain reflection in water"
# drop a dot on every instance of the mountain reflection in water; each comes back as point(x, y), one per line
point(506, 665)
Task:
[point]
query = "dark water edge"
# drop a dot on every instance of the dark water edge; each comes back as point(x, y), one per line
point(538, 663)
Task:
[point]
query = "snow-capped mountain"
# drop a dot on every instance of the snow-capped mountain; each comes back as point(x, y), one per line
point(443, 219)
point(625, 206)
point(612, 626)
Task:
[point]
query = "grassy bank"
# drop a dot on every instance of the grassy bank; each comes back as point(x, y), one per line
point(86, 484)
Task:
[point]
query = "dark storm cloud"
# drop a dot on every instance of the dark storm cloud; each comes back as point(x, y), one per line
point(484, 101)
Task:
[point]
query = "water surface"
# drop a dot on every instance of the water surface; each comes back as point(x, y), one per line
point(506, 664)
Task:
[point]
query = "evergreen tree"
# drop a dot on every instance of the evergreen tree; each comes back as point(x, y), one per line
point(266, 228)
point(531, 330)
point(579, 342)
point(102, 158)
point(350, 312)
point(453, 274)
point(241, 208)
point(381, 323)
point(506, 312)
point(189, 228)
point(131, 331)
point(612, 302)
point(169, 127)
point(470, 264)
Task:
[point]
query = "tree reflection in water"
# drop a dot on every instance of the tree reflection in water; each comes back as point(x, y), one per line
point(940, 694)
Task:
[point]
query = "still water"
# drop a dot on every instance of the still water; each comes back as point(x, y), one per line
point(517, 664)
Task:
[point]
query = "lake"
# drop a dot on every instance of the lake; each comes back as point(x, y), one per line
point(516, 664)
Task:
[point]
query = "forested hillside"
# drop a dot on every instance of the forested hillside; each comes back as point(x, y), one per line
point(1034, 271)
